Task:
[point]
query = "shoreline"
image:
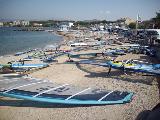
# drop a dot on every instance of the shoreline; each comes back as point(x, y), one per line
point(27, 49)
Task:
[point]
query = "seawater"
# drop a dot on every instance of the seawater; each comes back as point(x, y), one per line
point(16, 41)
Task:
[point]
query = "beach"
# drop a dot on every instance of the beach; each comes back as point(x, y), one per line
point(145, 89)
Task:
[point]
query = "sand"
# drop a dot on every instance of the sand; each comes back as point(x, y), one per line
point(145, 88)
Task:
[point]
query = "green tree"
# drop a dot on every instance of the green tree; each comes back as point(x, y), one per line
point(132, 25)
point(156, 21)
point(104, 21)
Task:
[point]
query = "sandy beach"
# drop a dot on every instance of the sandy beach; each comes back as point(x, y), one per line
point(145, 89)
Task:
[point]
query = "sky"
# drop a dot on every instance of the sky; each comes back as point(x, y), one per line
point(78, 9)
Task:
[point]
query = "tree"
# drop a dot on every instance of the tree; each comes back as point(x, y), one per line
point(157, 16)
point(104, 21)
point(132, 25)
point(156, 21)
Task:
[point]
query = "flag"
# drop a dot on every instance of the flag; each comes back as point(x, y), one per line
point(139, 20)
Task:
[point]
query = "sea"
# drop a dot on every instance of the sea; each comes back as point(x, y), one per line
point(12, 41)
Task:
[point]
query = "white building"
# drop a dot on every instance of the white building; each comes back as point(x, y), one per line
point(21, 22)
point(15, 23)
point(25, 23)
point(1, 23)
point(37, 25)
point(70, 24)
point(63, 28)
point(101, 27)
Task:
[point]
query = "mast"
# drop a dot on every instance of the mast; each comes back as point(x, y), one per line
point(137, 23)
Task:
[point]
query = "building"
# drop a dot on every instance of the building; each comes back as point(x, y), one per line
point(128, 20)
point(25, 23)
point(101, 27)
point(37, 25)
point(70, 24)
point(63, 28)
point(21, 23)
point(16, 23)
point(1, 24)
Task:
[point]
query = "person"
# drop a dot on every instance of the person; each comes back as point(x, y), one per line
point(69, 56)
point(22, 61)
point(109, 70)
point(153, 114)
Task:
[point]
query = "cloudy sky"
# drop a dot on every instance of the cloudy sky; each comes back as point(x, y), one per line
point(78, 9)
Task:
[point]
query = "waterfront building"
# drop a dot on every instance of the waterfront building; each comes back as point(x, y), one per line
point(16, 23)
point(63, 28)
point(70, 24)
point(25, 23)
point(128, 20)
point(21, 23)
point(37, 25)
point(1, 24)
point(101, 27)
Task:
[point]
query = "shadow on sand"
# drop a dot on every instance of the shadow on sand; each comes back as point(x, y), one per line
point(27, 103)
point(116, 75)
point(156, 61)
point(150, 114)
point(158, 81)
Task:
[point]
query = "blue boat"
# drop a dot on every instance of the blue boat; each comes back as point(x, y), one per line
point(111, 54)
point(79, 55)
point(49, 59)
point(136, 66)
point(21, 65)
point(132, 65)
point(19, 53)
point(115, 52)
point(45, 91)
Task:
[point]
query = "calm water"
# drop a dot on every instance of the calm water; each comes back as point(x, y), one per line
point(16, 41)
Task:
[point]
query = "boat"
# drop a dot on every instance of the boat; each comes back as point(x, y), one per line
point(115, 52)
point(33, 89)
point(136, 66)
point(79, 55)
point(19, 53)
point(94, 54)
point(49, 59)
point(5, 66)
point(21, 65)
point(129, 65)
